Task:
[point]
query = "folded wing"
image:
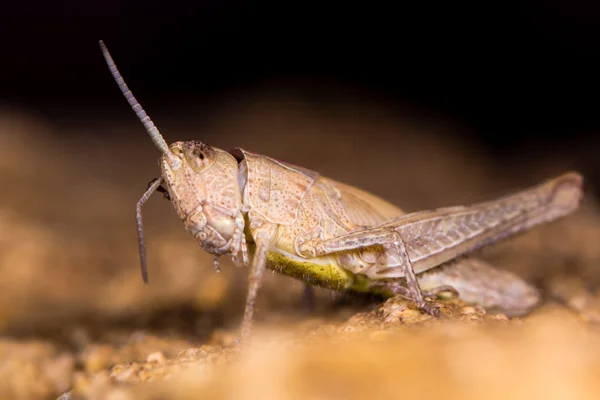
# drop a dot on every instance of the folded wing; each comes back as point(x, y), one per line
point(435, 237)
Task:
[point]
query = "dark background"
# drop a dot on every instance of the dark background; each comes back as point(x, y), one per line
point(521, 76)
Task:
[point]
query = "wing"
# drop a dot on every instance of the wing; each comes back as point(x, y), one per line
point(351, 208)
point(435, 237)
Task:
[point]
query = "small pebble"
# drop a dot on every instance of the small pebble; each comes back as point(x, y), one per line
point(446, 295)
point(468, 310)
point(156, 357)
point(412, 316)
point(500, 317)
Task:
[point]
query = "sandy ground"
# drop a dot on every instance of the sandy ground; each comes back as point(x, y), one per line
point(76, 318)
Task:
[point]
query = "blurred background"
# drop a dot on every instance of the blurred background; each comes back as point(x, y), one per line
point(424, 104)
point(520, 78)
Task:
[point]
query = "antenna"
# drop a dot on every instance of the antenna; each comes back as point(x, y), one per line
point(152, 130)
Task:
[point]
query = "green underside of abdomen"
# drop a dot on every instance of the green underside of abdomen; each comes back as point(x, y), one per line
point(319, 272)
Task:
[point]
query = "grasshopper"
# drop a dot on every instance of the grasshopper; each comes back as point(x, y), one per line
point(266, 213)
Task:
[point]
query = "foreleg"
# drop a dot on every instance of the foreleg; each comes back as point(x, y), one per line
point(263, 234)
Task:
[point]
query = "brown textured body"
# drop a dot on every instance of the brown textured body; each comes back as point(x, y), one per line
point(319, 209)
point(334, 235)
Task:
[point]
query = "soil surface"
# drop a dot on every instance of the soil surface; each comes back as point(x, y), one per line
point(77, 321)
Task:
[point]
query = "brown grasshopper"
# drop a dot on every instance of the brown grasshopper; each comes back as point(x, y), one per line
point(266, 213)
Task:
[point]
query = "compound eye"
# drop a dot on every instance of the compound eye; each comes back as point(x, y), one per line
point(197, 152)
point(198, 155)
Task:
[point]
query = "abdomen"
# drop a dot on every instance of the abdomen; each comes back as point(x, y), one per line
point(324, 272)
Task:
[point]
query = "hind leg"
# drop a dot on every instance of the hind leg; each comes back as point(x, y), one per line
point(478, 282)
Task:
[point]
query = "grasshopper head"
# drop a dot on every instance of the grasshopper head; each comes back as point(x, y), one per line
point(203, 186)
point(202, 183)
